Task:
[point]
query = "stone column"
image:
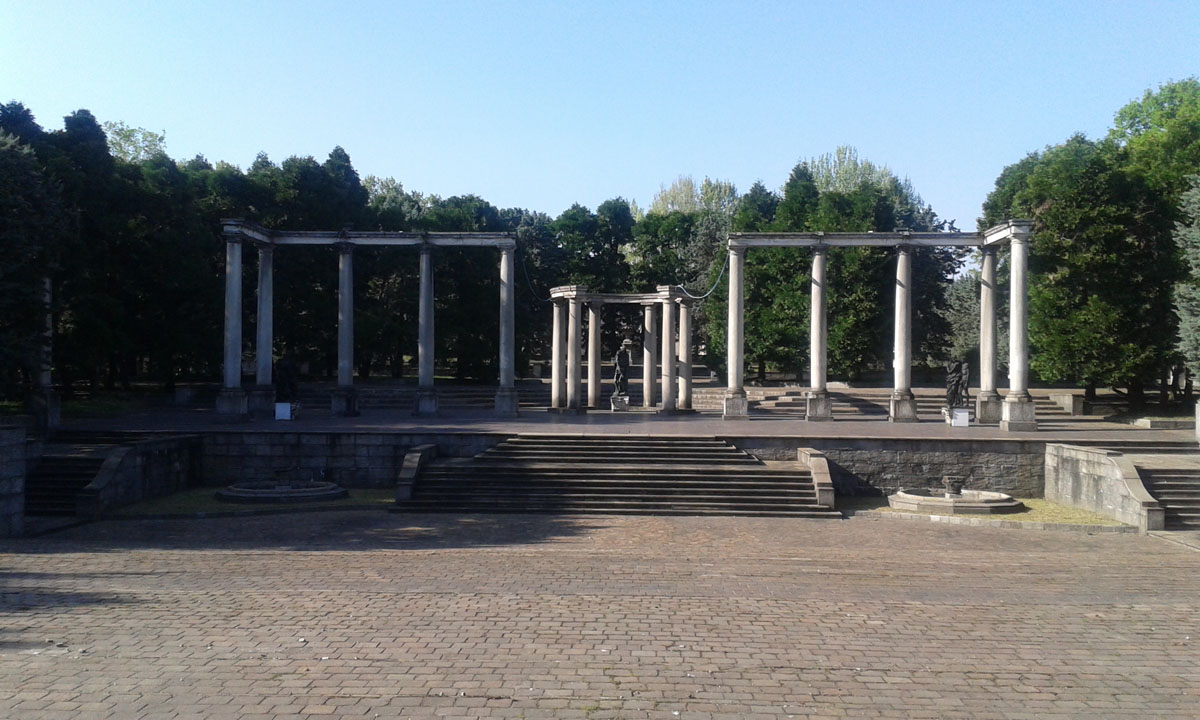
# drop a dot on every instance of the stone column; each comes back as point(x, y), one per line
point(736, 405)
point(1018, 413)
point(427, 401)
point(987, 403)
point(574, 351)
point(818, 405)
point(261, 397)
point(685, 356)
point(594, 362)
point(903, 406)
point(649, 356)
point(507, 400)
point(44, 403)
point(669, 389)
point(345, 401)
point(558, 381)
point(231, 400)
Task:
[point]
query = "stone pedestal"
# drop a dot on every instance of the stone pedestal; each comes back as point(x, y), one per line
point(426, 402)
point(260, 400)
point(232, 401)
point(507, 402)
point(737, 407)
point(988, 408)
point(619, 403)
point(818, 407)
point(1018, 414)
point(902, 408)
point(45, 407)
point(344, 402)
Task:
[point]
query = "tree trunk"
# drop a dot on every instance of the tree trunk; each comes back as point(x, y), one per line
point(1089, 391)
point(1136, 394)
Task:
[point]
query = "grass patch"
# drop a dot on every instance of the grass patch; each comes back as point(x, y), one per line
point(1036, 510)
point(202, 500)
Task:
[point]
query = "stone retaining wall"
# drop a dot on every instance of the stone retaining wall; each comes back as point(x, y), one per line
point(141, 471)
point(348, 459)
point(871, 465)
point(1103, 481)
point(12, 481)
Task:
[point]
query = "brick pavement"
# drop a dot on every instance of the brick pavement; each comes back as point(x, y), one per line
point(368, 614)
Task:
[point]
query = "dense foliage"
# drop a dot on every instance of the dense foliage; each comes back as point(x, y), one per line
point(130, 239)
point(1104, 262)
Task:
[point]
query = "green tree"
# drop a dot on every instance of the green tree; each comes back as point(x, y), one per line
point(133, 144)
point(1187, 291)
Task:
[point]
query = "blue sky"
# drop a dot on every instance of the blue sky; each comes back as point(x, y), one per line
point(542, 104)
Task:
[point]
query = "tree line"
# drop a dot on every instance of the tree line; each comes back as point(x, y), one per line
point(131, 242)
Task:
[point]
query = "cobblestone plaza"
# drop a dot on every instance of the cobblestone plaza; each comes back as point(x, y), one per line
point(371, 614)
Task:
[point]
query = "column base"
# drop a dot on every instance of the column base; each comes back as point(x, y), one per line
point(902, 407)
point(344, 402)
point(508, 402)
point(817, 406)
point(988, 408)
point(45, 407)
point(737, 406)
point(232, 401)
point(260, 400)
point(1019, 414)
point(426, 402)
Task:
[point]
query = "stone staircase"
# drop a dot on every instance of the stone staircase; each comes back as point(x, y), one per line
point(1170, 470)
point(68, 463)
point(861, 404)
point(617, 475)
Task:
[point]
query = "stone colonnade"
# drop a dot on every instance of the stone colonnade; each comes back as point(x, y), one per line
point(1015, 412)
point(234, 400)
point(661, 339)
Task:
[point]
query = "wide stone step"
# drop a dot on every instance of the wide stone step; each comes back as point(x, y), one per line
point(666, 473)
point(617, 509)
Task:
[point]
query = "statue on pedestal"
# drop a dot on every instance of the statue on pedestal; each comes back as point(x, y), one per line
point(621, 361)
point(958, 382)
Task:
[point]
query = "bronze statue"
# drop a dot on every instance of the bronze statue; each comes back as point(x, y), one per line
point(958, 382)
point(622, 360)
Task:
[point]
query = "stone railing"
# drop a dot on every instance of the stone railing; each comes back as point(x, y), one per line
point(1103, 481)
point(822, 479)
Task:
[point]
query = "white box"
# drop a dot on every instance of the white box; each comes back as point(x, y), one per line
point(286, 411)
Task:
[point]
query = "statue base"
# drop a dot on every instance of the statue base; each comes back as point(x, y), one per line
point(818, 407)
point(619, 403)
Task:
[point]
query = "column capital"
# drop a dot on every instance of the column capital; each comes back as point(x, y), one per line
point(739, 250)
point(988, 250)
point(344, 247)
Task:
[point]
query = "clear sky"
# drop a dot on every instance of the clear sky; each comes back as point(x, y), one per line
point(543, 104)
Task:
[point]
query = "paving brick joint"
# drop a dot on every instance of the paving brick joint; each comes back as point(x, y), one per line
point(372, 614)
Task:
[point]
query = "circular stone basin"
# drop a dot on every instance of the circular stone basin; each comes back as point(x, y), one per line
point(970, 502)
point(269, 491)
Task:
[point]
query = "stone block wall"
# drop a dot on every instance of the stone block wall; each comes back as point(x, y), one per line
point(142, 471)
point(12, 481)
point(1102, 481)
point(862, 466)
point(365, 460)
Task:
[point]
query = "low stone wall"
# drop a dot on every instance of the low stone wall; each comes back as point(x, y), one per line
point(862, 466)
point(349, 459)
point(12, 481)
point(142, 471)
point(1102, 481)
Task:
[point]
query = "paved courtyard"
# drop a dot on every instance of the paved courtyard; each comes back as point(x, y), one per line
point(370, 614)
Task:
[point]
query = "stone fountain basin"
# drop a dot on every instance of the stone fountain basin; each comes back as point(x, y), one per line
point(972, 502)
point(268, 491)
